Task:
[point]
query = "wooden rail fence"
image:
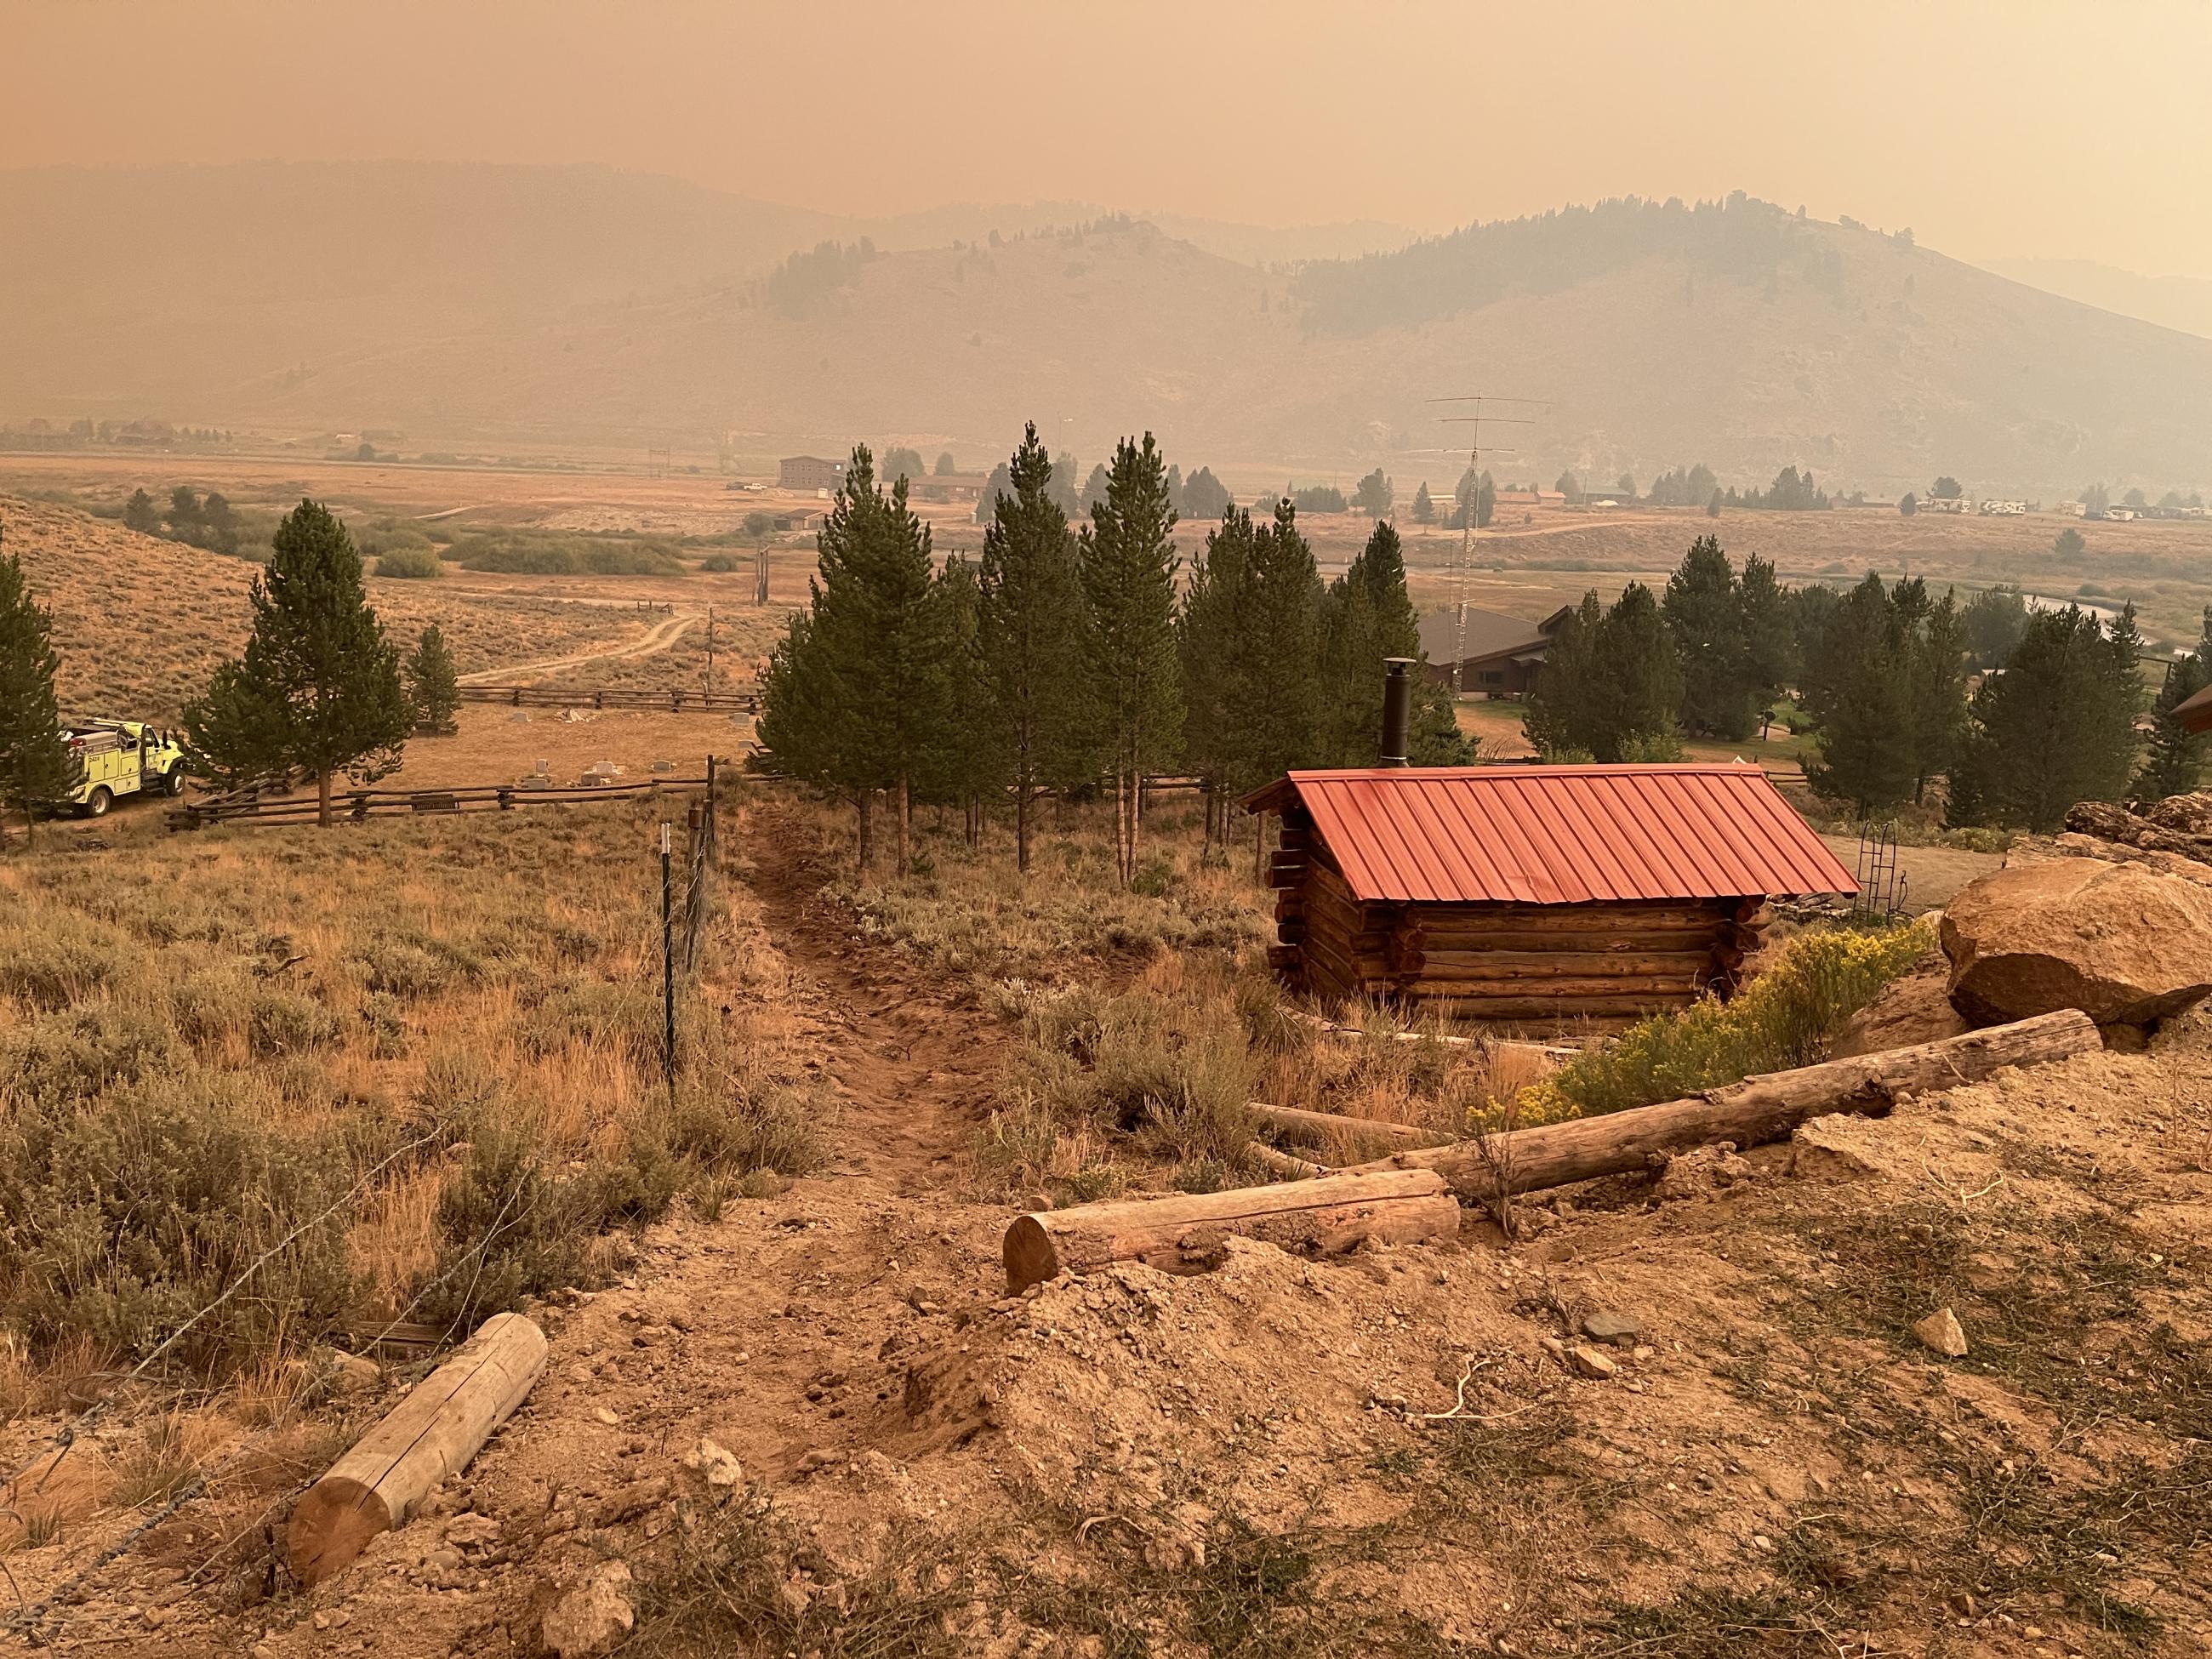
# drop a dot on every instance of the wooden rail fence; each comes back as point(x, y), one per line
point(359, 805)
point(676, 700)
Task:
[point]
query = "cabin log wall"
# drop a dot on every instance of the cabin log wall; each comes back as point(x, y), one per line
point(1523, 962)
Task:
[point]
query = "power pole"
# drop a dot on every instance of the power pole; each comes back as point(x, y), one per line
point(1463, 576)
point(710, 648)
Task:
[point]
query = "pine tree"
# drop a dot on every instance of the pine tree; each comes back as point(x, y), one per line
point(1558, 714)
point(1030, 639)
point(2174, 760)
point(1703, 609)
point(1374, 496)
point(1274, 720)
point(2058, 727)
point(1643, 682)
point(318, 688)
point(1424, 510)
point(1935, 672)
point(964, 759)
point(855, 695)
point(1770, 659)
point(1369, 616)
point(1216, 607)
point(139, 513)
point(432, 685)
point(1127, 558)
point(36, 763)
point(1855, 689)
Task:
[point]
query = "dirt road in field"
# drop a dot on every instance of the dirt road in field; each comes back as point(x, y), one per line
point(651, 643)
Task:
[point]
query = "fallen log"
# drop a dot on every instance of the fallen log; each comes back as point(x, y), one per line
point(1327, 1215)
point(1303, 1129)
point(435, 1431)
point(1758, 1110)
point(1281, 1163)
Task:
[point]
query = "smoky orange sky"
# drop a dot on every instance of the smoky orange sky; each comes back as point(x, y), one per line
point(2078, 129)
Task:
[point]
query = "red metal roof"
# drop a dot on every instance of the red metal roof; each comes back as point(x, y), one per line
point(2195, 711)
point(1560, 835)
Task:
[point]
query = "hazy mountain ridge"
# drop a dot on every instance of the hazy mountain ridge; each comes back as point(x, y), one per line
point(2179, 302)
point(582, 304)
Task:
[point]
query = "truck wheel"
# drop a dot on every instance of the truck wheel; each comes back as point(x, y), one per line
point(172, 780)
point(97, 803)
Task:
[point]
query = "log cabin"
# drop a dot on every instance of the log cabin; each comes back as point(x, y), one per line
point(1532, 894)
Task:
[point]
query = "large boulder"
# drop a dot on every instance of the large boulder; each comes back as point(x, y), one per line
point(2125, 945)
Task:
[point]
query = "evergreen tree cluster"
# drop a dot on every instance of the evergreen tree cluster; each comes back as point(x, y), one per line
point(1475, 502)
point(2056, 727)
point(1792, 491)
point(1692, 486)
point(1884, 678)
point(1732, 637)
point(1201, 495)
point(1611, 686)
point(208, 521)
point(1066, 660)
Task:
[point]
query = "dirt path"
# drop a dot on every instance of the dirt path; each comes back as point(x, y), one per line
point(651, 643)
point(916, 1069)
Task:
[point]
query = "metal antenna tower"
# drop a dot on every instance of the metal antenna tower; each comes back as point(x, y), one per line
point(1464, 575)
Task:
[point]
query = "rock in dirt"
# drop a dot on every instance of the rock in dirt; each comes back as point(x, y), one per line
point(1833, 1149)
point(1702, 1170)
point(1603, 1325)
point(1941, 1331)
point(716, 1465)
point(2125, 945)
point(592, 1617)
point(1593, 1362)
point(1915, 1007)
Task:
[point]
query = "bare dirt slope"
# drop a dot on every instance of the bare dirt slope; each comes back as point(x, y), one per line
point(1381, 1455)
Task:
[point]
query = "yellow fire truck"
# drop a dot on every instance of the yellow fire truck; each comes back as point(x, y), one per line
point(122, 757)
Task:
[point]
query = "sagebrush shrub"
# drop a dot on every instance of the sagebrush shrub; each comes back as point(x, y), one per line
point(1784, 1018)
point(128, 1215)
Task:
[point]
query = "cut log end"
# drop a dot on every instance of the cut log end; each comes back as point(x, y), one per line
point(1029, 1252)
point(332, 1524)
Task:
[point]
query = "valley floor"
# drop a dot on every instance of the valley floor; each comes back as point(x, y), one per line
point(1374, 1456)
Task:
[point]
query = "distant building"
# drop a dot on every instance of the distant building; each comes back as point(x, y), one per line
point(1946, 504)
point(809, 472)
point(2003, 509)
point(1498, 655)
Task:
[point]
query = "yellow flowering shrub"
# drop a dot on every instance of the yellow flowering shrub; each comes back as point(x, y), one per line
point(1782, 1018)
